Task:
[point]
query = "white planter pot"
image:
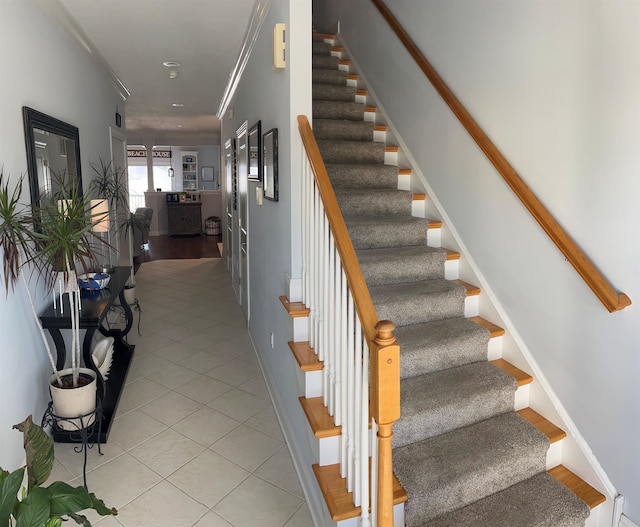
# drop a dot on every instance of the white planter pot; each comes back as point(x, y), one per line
point(74, 402)
point(129, 296)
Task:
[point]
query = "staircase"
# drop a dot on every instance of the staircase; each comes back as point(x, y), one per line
point(461, 452)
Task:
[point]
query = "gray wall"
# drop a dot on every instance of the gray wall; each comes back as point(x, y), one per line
point(45, 70)
point(555, 85)
point(276, 98)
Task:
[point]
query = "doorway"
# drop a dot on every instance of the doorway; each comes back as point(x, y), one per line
point(243, 218)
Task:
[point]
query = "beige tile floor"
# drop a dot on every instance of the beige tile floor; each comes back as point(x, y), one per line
point(195, 441)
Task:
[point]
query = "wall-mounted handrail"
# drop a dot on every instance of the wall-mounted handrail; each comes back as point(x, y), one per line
point(606, 293)
point(342, 316)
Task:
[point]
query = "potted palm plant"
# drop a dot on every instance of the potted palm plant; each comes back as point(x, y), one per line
point(37, 505)
point(56, 240)
point(110, 183)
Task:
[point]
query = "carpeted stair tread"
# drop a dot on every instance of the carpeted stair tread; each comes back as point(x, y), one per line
point(376, 203)
point(363, 176)
point(341, 130)
point(320, 47)
point(360, 152)
point(540, 501)
point(398, 265)
point(337, 77)
point(352, 111)
point(455, 469)
point(393, 231)
point(440, 344)
point(332, 92)
point(418, 302)
point(324, 62)
point(448, 399)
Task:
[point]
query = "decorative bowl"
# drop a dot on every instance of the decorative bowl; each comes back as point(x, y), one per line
point(94, 281)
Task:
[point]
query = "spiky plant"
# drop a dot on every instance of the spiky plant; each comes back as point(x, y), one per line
point(15, 232)
point(56, 238)
point(110, 183)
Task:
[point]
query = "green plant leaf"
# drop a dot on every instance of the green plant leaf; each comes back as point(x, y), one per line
point(99, 506)
point(80, 519)
point(9, 493)
point(56, 521)
point(66, 499)
point(34, 510)
point(38, 447)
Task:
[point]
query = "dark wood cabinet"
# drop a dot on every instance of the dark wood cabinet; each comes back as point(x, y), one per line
point(184, 218)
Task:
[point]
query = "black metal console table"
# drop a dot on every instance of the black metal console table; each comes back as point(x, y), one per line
point(95, 306)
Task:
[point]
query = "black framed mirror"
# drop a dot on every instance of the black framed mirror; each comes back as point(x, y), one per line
point(53, 150)
point(270, 160)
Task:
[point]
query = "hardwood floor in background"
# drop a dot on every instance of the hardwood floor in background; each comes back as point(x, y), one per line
point(179, 247)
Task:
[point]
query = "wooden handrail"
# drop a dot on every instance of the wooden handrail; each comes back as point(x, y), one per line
point(608, 295)
point(357, 285)
point(383, 349)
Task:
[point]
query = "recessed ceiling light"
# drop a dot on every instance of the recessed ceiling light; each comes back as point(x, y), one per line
point(171, 64)
point(180, 125)
point(177, 105)
point(173, 74)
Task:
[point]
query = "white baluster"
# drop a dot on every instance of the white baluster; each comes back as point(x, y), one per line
point(358, 462)
point(364, 428)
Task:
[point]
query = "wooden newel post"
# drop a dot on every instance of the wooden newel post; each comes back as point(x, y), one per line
point(385, 409)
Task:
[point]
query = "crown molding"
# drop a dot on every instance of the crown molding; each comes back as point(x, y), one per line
point(59, 14)
point(260, 11)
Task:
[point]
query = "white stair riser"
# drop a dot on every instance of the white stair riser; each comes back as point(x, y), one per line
point(379, 136)
point(434, 237)
point(521, 399)
point(300, 329)
point(472, 306)
point(554, 454)
point(495, 348)
point(391, 158)
point(451, 269)
point(404, 182)
point(418, 208)
point(312, 383)
point(328, 452)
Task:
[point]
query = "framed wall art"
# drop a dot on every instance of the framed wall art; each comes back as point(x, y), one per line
point(254, 150)
point(270, 160)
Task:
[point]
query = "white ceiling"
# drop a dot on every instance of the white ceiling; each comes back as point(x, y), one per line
point(136, 36)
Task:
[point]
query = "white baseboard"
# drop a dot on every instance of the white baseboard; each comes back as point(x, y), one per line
point(626, 522)
point(313, 497)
